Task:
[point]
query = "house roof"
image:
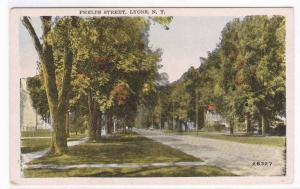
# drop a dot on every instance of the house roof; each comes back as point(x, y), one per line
point(211, 107)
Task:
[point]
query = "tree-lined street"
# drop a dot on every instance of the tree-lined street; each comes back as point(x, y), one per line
point(99, 82)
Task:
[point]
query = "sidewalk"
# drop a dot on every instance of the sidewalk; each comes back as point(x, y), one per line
point(27, 157)
point(114, 165)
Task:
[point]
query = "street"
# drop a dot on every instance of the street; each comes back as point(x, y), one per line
point(238, 158)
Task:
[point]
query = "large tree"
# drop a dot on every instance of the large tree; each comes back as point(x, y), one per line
point(57, 92)
point(254, 68)
point(112, 52)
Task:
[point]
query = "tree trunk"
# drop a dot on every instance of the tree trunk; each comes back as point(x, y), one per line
point(36, 121)
point(114, 123)
point(231, 127)
point(201, 121)
point(152, 120)
point(124, 125)
point(180, 126)
point(109, 123)
point(265, 126)
point(67, 125)
point(160, 121)
point(260, 125)
point(248, 123)
point(59, 139)
point(98, 125)
point(124, 129)
point(92, 125)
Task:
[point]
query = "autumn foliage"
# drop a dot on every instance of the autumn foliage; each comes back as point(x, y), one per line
point(120, 94)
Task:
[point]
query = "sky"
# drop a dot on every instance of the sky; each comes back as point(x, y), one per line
point(28, 55)
point(188, 39)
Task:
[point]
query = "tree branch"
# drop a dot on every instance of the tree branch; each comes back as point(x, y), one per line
point(66, 86)
point(67, 68)
point(37, 44)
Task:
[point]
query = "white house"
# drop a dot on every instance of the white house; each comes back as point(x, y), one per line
point(212, 117)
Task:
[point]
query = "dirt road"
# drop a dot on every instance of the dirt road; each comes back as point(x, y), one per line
point(235, 157)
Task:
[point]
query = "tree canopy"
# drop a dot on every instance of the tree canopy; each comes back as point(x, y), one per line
point(94, 66)
point(244, 76)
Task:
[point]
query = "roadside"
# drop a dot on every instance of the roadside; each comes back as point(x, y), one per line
point(238, 158)
point(277, 141)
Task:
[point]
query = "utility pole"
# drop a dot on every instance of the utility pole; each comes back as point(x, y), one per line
point(196, 106)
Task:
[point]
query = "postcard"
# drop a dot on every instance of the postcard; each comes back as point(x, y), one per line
point(147, 96)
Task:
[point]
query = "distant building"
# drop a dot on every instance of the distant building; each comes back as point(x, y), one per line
point(213, 118)
point(29, 120)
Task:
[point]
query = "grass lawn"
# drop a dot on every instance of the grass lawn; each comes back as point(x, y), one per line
point(37, 144)
point(47, 133)
point(38, 133)
point(74, 137)
point(131, 148)
point(277, 141)
point(130, 172)
point(34, 144)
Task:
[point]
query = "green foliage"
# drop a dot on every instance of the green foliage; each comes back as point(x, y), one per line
point(107, 52)
point(252, 52)
point(78, 122)
point(114, 66)
point(244, 76)
point(38, 96)
point(164, 21)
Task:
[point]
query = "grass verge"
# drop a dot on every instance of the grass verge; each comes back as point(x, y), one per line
point(131, 148)
point(277, 141)
point(36, 144)
point(130, 172)
point(38, 133)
